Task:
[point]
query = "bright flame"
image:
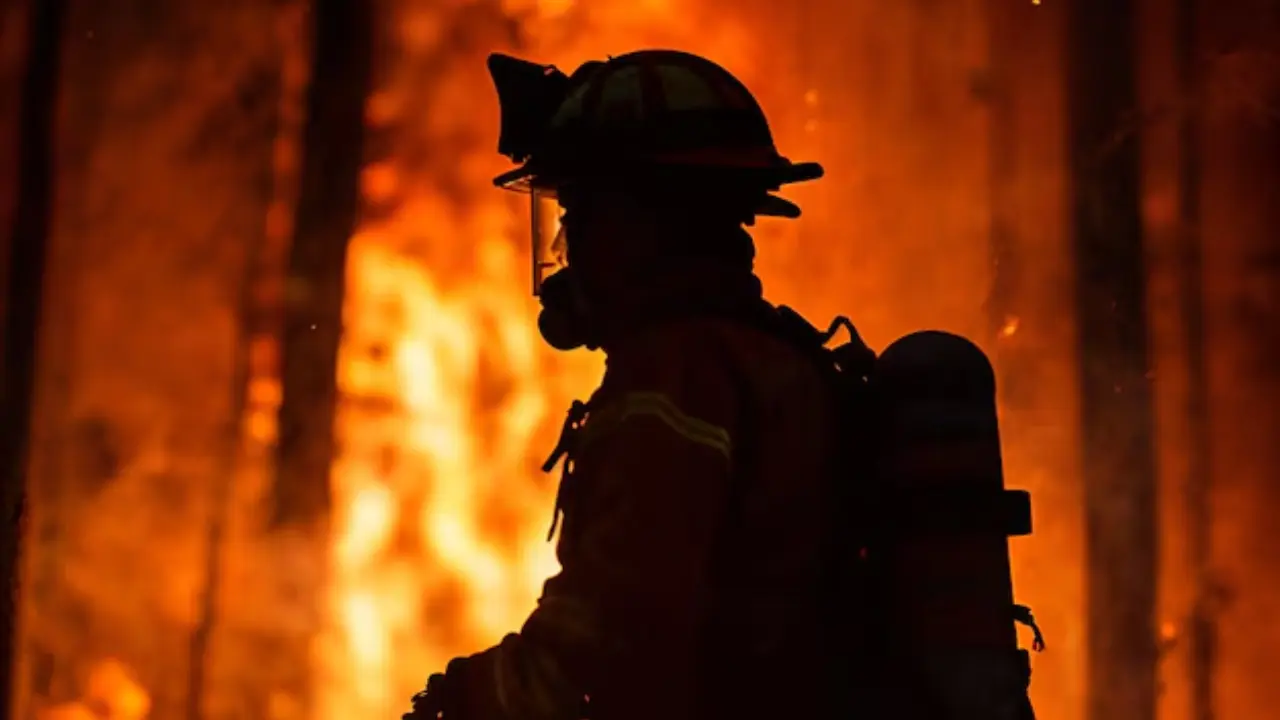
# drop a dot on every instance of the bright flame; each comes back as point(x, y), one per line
point(111, 693)
point(418, 576)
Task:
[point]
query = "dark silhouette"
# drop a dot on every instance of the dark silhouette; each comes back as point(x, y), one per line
point(1119, 461)
point(1202, 630)
point(332, 153)
point(32, 217)
point(750, 524)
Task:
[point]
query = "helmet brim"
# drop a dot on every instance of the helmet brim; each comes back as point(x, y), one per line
point(527, 177)
point(774, 206)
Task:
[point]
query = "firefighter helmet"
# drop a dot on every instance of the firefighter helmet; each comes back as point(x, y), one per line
point(651, 115)
point(642, 111)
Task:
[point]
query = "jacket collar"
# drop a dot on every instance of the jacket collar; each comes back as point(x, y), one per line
point(692, 288)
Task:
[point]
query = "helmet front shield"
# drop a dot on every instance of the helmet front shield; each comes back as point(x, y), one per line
point(548, 251)
point(528, 95)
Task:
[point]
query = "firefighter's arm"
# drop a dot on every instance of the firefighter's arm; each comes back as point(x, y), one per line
point(622, 619)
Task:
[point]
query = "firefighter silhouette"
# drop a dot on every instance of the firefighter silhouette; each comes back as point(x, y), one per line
point(721, 518)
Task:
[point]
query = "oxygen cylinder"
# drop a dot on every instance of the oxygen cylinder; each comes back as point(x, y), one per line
point(941, 547)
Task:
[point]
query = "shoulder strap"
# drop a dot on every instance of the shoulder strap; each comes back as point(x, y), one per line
point(742, 468)
point(726, 559)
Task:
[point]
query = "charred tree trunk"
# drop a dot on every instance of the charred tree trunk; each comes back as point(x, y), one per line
point(1240, 214)
point(259, 271)
point(1201, 631)
point(13, 50)
point(326, 215)
point(32, 216)
point(1116, 407)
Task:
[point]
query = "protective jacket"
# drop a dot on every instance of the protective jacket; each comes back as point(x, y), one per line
point(693, 506)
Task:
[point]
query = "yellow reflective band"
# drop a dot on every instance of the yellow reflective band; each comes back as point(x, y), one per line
point(659, 406)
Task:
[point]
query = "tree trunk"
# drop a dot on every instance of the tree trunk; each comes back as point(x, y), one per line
point(1201, 631)
point(28, 241)
point(1116, 411)
point(14, 43)
point(32, 215)
point(326, 216)
point(1239, 196)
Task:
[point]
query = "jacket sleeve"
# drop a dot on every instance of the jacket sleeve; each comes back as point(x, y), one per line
point(622, 619)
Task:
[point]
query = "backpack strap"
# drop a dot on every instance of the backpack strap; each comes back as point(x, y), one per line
point(726, 559)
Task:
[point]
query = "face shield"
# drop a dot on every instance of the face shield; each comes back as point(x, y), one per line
point(529, 94)
point(548, 241)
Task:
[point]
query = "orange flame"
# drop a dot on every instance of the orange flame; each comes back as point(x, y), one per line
point(111, 693)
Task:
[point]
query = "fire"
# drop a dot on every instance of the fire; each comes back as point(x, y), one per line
point(414, 480)
point(111, 693)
